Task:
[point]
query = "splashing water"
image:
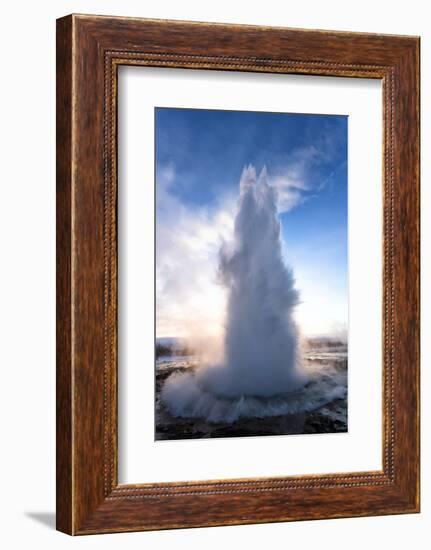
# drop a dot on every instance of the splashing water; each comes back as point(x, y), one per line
point(261, 343)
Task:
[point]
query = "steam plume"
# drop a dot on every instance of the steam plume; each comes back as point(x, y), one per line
point(261, 342)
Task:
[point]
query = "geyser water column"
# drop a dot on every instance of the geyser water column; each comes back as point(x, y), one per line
point(261, 342)
point(261, 339)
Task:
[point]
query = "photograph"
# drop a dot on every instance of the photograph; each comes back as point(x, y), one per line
point(251, 273)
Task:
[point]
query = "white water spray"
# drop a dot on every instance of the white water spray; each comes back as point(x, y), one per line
point(261, 343)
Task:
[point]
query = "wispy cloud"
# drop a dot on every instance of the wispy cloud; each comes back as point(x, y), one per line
point(294, 181)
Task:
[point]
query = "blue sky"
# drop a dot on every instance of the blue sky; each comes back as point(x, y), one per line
point(200, 155)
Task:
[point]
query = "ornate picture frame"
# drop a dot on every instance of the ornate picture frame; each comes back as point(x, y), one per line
point(89, 51)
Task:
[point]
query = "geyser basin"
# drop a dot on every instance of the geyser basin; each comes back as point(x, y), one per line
point(187, 399)
point(262, 363)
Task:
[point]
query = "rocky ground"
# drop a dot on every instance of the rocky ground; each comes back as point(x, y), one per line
point(330, 418)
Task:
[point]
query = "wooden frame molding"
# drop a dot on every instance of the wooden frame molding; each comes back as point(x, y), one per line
point(89, 51)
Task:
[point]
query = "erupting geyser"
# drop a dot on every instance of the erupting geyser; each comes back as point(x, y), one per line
point(261, 343)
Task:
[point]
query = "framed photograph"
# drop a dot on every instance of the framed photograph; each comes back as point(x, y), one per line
point(237, 274)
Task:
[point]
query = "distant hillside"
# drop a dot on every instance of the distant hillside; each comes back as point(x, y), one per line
point(325, 343)
point(166, 347)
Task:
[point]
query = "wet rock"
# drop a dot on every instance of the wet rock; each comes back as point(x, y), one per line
point(320, 423)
